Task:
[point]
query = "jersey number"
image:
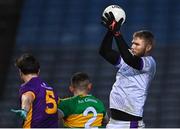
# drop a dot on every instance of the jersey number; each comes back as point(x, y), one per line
point(91, 120)
point(50, 99)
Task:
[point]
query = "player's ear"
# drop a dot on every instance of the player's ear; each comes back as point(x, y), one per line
point(89, 86)
point(71, 88)
point(148, 48)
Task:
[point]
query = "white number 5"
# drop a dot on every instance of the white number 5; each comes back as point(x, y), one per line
point(90, 121)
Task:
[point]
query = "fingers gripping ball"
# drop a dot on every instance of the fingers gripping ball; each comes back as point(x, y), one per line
point(117, 11)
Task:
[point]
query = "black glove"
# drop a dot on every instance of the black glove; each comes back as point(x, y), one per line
point(110, 23)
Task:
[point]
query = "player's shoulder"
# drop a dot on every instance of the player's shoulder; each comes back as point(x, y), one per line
point(149, 64)
point(96, 98)
point(71, 99)
point(66, 98)
point(31, 85)
point(149, 59)
point(65, 101)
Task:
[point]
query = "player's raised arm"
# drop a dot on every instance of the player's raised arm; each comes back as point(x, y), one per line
point(106, 50)
point(125, 52)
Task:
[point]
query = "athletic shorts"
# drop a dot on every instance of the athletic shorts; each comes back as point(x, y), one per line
point(113, 124)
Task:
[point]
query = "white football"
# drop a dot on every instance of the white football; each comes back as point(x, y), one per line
point(117, 11)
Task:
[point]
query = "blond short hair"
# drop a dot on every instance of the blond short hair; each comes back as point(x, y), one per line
point(146, 35)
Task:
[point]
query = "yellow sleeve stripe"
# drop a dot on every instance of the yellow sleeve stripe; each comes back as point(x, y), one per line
point(27, 122)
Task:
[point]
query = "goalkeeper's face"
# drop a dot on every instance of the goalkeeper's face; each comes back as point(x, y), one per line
point(140, 47)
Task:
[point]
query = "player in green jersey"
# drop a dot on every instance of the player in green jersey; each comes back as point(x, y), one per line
point(83, 109)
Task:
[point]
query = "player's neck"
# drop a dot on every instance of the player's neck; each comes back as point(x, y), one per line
point(82, 93)
point(28, 77)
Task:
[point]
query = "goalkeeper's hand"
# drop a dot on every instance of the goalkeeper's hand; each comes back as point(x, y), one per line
point(110, 23)
point(21, 112)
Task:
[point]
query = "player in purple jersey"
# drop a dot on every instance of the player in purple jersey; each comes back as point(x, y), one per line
point(38, 100)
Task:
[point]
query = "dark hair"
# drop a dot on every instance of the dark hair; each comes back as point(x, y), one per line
point(80, 80)
point(27, 64)
point(146, 35)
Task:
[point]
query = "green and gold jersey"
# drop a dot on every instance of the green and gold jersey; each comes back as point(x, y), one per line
point(82, 111)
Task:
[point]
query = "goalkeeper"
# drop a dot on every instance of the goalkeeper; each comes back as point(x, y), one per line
point(136, 69)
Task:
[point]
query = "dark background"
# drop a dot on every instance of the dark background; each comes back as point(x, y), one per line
point(65, 35)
